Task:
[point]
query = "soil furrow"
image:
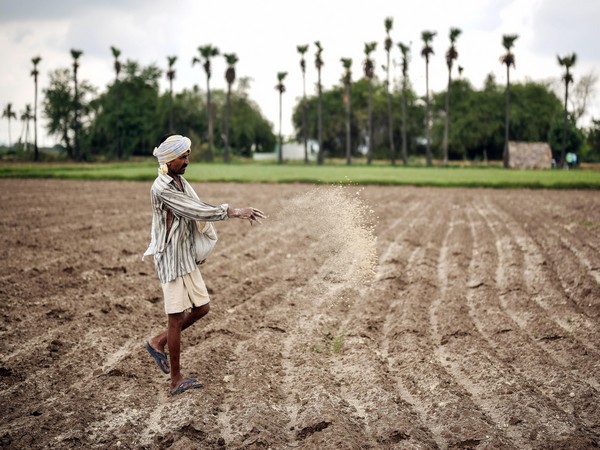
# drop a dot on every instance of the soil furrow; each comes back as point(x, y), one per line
point(515, 346)
point(478, 366)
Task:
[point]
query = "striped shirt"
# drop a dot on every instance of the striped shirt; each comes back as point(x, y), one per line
point(174, 254)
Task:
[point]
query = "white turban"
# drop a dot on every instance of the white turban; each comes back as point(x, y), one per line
point(173, 147)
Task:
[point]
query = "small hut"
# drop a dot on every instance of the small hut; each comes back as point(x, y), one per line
point(529, 155)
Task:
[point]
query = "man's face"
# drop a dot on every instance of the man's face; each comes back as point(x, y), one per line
point(179, 164)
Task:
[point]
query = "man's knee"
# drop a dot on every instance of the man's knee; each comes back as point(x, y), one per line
point(176, 320)
point(201, 311)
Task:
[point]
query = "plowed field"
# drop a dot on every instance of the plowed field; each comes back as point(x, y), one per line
point(480, 328)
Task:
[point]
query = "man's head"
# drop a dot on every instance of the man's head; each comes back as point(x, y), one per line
point(173, 153)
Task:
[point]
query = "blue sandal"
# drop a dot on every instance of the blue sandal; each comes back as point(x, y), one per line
point(190, 383)
point(159, 358)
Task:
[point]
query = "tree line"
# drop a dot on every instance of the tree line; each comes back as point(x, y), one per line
point(369, 116)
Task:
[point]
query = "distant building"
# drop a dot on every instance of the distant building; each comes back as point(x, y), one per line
point(529, 155)
point(291, 151)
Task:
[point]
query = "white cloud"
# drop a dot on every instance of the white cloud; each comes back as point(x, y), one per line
point(264, 34)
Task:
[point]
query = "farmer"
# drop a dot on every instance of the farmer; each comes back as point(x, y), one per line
point(175, 208)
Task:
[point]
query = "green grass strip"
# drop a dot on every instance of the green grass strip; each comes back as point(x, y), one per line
point(361, 174)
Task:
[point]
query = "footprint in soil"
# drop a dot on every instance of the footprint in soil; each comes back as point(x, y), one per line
point(55, 346)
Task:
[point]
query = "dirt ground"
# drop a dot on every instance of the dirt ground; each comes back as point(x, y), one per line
point(479, 330)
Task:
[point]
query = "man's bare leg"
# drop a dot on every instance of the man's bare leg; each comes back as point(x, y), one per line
point(159, 342)
point(174, 342)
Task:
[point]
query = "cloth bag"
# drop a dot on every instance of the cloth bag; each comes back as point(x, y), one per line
point(205, 239)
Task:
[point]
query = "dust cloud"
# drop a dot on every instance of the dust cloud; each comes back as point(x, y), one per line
point(337, 227)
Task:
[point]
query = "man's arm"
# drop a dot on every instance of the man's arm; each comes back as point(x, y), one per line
point(252, 214)
point(191, 208)
point(194, 209)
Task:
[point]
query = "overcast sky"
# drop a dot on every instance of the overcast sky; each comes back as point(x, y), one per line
point(264, 34)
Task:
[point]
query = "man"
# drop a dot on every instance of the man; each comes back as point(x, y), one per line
point(175, 210)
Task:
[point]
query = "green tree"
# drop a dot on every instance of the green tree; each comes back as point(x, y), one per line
point(249, 129)
point(507, 59)
point(533, 112)
point(426, 52)
point(231, 59)
point(171, 76)
point(76, 54)
point(404, 49)
point(334, 128)
point(567, 62)
point(58, 106)
point(34, 73)
point(9, 114)
point(476, 128)
point(575, 137)
point(117, 65)
point(591, 152)
point(319, 64)
point(207, 52)
point(281, 89)
point(302, 49)
point(369, 70)
point(141, 125)
point(451, 55)
point(347, 80)
point(388, 23)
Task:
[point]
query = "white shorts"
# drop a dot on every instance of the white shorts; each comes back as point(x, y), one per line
point(185, 292)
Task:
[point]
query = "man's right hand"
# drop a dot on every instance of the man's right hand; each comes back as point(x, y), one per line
point(252, 214)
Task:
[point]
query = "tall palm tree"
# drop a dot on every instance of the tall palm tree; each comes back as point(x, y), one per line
point(426, 52)
point(319, 64)
point(567, 62)
point(9, 114)
point(508, 40)
point(34, 73)
point(369, 70)
point(281, 88)
point(451, 55)
point(116, 53)
point(76, 55)
point(26, 116)
point(405, 55)
point(207, 52)
point(171, 76)
point(302, 49)
point(347, 79)
point(231, 59)
point(388, 23)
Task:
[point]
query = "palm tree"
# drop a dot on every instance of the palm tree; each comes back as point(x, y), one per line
point(318, 64)
point(508, 59)
point(231, 59)
point(388, 46)
point(567, 62)
point(26, 116)
point(116, 53)
point(76, 54)
point(427, 50)
point(347, 79)
point(302, 49)
point(451, 55)
point(9, 114)
point(207, 52)
point(405, 54)
point(171, 76)
point(281, 88)
point(369, 69)
point(34, 73)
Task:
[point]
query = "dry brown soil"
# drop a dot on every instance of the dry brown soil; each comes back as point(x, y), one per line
point(479, 330)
